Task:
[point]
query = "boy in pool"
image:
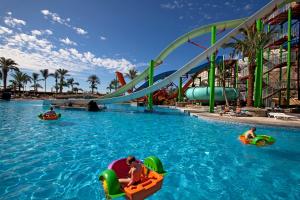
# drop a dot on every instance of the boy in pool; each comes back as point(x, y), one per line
point(134, 173)
point(51, 112)
point(250, 134)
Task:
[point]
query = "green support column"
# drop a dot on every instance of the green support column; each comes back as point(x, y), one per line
point(180, 90)
point(288, 84)
point(258, 74)
point(212, 72)
point(150, 96)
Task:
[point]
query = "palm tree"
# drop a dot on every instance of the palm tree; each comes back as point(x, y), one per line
point(6, 65)
point(71, 82)
point(21, 79)
point(45, 75)
point(76, 89)
point(13, 85)
point(250, 42)
point(56, 76)
point(94, 81)
point(62, 73)
point(223, 74)
point(35, 79)
point(131, 74)
point(113, 85)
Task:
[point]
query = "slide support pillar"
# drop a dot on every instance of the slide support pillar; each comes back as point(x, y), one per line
point(212, 72)
point(180, 90)
point(150, 96)
point(259, 70)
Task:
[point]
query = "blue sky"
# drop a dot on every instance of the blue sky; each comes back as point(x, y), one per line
point(100, 37)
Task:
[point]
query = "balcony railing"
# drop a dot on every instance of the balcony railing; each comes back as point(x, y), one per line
point(281, 10)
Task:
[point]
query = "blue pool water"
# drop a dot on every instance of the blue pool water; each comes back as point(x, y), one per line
point(61, 159)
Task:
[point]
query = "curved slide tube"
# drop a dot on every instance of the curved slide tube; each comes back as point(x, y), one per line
point(187, 67)
point(202, 94)
point(122, 80)
point(156, 78)
point(174, 45)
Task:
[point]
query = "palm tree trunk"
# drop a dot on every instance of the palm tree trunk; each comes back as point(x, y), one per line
point(251, 85)
point(45, 85)
point(4, 72)
point(61, 86)
point(19, 90)
point(224, 91)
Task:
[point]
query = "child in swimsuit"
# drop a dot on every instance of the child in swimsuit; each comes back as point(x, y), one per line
point(250, 134)
point(134, 173)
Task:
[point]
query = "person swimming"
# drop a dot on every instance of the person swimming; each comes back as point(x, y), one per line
point(250, 134)
point(134, 173)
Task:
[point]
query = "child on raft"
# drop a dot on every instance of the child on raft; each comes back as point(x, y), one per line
point(134, 173)
point(250, 134)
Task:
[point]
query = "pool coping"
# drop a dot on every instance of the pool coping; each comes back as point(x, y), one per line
point(245, 120)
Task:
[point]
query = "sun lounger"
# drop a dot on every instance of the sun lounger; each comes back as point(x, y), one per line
point(280, 116)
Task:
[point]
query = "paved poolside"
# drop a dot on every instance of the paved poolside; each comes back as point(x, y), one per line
point(204, 114)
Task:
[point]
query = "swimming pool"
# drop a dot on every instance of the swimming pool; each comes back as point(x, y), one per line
point(204, 160)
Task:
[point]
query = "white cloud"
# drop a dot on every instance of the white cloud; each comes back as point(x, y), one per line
point(33, 52)
point(54, 17)
point(49, 32)
point(247, 7)
point(4, 30)
point(67, 41)
point(41, 32)
point(103, 38)
point(80, 31)
point(9, 13)
point(36, 32)
point(13, 22)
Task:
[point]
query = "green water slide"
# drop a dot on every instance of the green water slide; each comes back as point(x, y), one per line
point(202, 94)
point(173, 46)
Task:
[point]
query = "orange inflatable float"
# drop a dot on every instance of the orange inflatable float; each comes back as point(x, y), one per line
point(151, 179)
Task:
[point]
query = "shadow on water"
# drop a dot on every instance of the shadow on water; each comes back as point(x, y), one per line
point(284, 154)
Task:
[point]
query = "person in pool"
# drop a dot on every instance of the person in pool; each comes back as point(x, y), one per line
point(250, 134)
point(50, 112)
point(134, 173)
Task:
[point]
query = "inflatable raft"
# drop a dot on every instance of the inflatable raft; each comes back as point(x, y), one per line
point(259, 140)
point(49, 116)
point(151, 180)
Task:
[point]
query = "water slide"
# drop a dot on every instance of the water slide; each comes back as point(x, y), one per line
point(236, 24)
point(122, 80)
point(202, 93)
point(167, 73)
point(156, 78)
